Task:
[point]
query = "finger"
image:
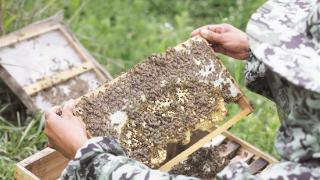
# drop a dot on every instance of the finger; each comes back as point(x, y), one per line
point(224, 51)
point(211, 36)
point(217, 28)
point(59, 110)
point(68, 107)
point(235, 55)
point(220, 49)
point(51, 114)
point(51, 110)
point(197, 31)
point(55, 108)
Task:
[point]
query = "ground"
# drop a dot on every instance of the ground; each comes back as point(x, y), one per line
point(120, 34)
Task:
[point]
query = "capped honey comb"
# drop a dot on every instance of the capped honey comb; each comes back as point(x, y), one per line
point(161, 101)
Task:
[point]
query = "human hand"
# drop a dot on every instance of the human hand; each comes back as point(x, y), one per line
point(66, 133)
point(225, 39)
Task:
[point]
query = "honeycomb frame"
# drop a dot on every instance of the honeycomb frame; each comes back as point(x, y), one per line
point(211, 80)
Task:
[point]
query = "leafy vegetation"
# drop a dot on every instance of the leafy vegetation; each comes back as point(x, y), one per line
point(120, 34)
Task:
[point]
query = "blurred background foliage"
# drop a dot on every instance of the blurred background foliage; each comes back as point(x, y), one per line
point(120, 34)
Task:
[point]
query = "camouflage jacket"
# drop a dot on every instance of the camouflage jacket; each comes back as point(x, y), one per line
point(298, 139)
point(103, 158)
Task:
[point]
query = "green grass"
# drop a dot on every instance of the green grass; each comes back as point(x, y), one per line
point(120, 34)
point(18, 141)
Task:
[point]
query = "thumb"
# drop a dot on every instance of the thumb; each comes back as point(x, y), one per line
point(68, 108)
point(51, 113)
point(211, 36)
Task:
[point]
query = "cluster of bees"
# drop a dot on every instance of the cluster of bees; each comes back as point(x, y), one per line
point(161, 101)
point(205, 163)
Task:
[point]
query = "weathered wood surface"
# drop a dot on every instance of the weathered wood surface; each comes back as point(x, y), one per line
point(57, 78)
point(184, 155)
point(257, 165)
point(16, 89)
point(48, 163)
point(252, 148)
point(44, 55)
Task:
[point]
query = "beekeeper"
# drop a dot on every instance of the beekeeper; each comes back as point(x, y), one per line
point(281, 47)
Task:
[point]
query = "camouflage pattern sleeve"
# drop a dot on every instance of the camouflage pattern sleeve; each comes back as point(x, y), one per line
point(236, 171)
point(283, 170)
point(255, 76)
point(103, 158)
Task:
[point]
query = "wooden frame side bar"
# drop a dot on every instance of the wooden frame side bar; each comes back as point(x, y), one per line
point(252, 148)
point(76, 43)
point(183, 155)
point(17, 89)
point(57, 78)
point(103, 75)
point(28, 32)
point(244, 103)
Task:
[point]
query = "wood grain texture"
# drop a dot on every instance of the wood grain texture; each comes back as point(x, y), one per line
point(46, 164)
point(231, 149)
point(21, 173)
point(32, 30)
point(101, 72)
point(183, 155)
point(35, 30)
point(257, 165)
point(32, 167)
point(57, 78)
point(17, 89)
point(252, 148)
point(243, 155)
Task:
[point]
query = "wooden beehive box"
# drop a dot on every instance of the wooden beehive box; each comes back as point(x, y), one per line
point(45, 65)
point(48, 163)
point(222, 150)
